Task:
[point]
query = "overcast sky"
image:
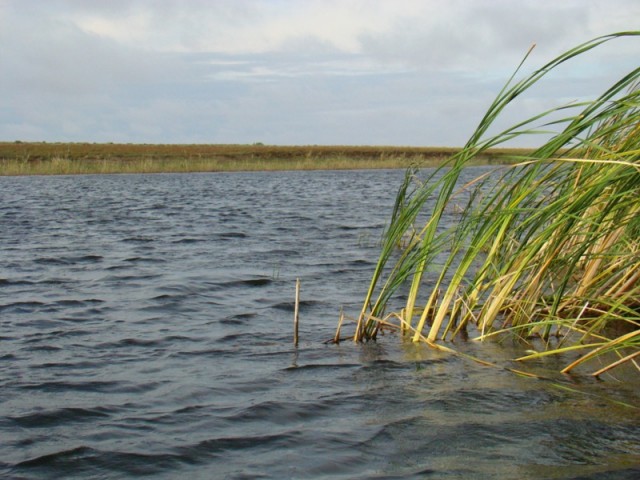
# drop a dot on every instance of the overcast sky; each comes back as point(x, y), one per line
point(296, 72)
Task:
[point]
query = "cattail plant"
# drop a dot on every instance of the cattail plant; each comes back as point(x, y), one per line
point(549, 250)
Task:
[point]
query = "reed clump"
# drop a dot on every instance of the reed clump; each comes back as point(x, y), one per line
point(547, 249)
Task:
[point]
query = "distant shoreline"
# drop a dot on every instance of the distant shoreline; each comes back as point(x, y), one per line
point(43, 158)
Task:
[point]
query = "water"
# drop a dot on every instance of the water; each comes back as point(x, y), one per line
point(146, 330)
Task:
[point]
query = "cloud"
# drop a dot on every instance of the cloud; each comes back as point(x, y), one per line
point(289, 71)
point(239, 27)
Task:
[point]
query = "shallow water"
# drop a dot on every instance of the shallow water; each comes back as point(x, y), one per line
point(146, 329)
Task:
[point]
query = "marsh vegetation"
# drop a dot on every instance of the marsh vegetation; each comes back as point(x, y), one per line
point(19, 158)
point(546, 251)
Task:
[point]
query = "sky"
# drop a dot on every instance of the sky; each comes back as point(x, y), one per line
point(292, 72)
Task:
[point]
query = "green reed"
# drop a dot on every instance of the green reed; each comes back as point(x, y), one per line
point(549, 250)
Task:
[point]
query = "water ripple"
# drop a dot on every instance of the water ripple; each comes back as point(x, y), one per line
point(52, 418)
point(147, 328)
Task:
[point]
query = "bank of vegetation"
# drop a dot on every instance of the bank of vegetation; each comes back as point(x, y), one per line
point(547, 252)
point(40, 158)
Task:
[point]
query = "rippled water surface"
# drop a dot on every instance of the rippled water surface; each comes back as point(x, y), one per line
point(146, 330)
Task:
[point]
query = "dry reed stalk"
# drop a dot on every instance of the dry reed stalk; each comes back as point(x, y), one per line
point(296, 311)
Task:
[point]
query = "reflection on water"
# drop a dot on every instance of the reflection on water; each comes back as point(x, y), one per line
point(147, 330)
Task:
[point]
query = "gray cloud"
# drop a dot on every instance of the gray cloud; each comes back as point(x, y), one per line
point(282, 71)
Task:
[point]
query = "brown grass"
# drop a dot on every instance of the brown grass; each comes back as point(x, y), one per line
point(40, 158)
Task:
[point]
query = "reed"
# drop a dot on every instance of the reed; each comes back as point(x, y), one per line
point(69, 166)
point(19, 158)
point(547, 249)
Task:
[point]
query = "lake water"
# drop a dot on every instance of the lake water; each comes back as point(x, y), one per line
point(146, 330)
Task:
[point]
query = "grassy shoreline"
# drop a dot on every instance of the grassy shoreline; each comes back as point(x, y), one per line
point(40, 158)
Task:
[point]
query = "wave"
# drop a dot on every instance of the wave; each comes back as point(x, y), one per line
point(86, 461)
point(68, 260)
point(145, 343)
point(231, 235)
point(22, 306)
point(290, 306)
point(96, 386)
point(52, 418)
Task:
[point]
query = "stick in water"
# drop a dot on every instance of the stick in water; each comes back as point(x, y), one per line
point(295, 313)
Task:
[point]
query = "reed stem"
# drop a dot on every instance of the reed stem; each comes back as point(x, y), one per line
point(296, 311)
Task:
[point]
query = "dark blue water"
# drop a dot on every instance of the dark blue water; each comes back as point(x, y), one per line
point(146, 330)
